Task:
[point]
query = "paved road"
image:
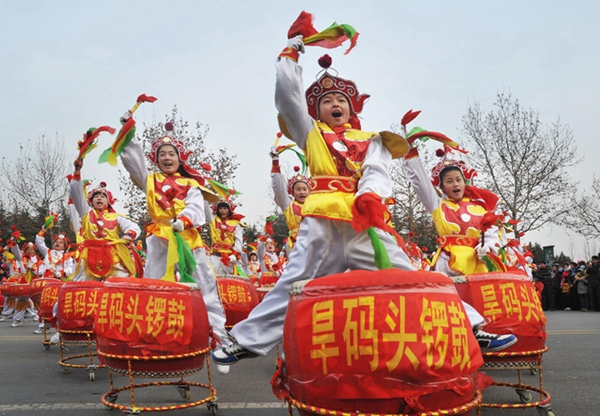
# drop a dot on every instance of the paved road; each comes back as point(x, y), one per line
point(33, 383)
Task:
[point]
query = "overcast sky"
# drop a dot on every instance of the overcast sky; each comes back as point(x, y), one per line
point(69, 65)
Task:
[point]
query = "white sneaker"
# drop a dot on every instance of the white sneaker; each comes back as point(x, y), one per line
point(39, 331)
point(16, 324)
point(55, 338)
point(2, 318)
point(222, 369)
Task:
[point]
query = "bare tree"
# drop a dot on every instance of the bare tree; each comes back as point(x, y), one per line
point(223, 165)
point(521, 160)
point(584, 213)
point(35, 181)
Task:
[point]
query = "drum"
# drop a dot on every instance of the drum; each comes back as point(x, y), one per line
point(18, 290)
point(387, 341)
point(268, 279)
point(48, 299)
point(160, 328)
point(262, 292)
point(239, 297)
point(36, 287)
point(77, 307)
point(509, 303)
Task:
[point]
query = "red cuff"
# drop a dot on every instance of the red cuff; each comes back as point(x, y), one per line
point(42, 233)
point(289, 53)
point(77, 176)
point(187, 223)
point(132, 234)
point(413, 152)
point(275, 168)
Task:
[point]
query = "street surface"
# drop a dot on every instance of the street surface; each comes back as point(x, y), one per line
point(34, 384)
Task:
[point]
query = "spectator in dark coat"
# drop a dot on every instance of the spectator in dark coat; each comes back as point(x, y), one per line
point(543, 275)
point(594, 283)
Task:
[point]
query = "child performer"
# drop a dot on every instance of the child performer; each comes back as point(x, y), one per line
point(105, 234)
point(270, 263)
point(32, 267)
point(325, 126)
point(227, 237)
point(57, 262)
point(298, 188)
point(175, 199)
point(457, 216)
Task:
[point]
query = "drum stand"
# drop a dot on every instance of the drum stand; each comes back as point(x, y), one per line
point(87, 341)
point(183, 387)
point(521, 361)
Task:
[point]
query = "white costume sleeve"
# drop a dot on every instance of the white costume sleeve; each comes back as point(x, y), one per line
point(419, 179)
point(375, 170)
point(40, 243)
point(208, 214)
point(78, 197)
point(69, 266)
point(238, 244)
point(133, 160)
point(290, 101)
point(125, 225)
point(279, 186)
point(195, 208)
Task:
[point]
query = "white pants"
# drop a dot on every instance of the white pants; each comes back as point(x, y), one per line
point(219, 267)
point(156, 265)
point(441, 265)
point(323, 247)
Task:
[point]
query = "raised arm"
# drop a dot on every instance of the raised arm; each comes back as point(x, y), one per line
point(40, 243)
point(419, 179)
point(76, 190)
point(133, 160)
point(290, 100)
point(278, 183)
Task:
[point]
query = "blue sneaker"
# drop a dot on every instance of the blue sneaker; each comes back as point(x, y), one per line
point(493, 342)
point(231, 354)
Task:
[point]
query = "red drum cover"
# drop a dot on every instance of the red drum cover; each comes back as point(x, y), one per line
point(509, 303)
point(239, 297)
point(148, 317)
point(386, 341)
point(36, 287)
point(49, 298)
point(77, 307)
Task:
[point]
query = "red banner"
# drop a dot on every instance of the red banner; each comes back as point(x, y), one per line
point(145, 317)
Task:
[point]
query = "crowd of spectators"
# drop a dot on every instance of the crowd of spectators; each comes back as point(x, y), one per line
point(571, 286)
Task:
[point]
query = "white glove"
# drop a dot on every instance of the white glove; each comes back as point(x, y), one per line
point(57, 274)
point(481, 251)
point(177, 225)
point(232, 258)
point(296, 43)
point(126, 116)
point(273, 153)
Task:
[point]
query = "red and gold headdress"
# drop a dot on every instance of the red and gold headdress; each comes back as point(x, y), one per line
point(101, 189)
point(26, 245)
point(327, 83)
point(61, 236)
point(168, 138)
point(446, 161)
point(298, 177)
